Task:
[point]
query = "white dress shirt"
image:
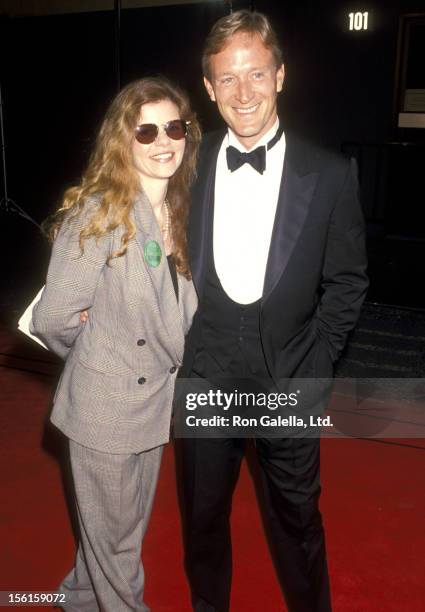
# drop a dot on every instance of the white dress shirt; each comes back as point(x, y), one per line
point(244, 211)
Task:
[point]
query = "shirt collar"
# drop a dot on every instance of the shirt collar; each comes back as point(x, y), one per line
point(233, 141)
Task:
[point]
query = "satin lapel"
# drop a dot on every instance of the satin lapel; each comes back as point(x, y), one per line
point(201, 214)
point(296, 192)
point(147, 229)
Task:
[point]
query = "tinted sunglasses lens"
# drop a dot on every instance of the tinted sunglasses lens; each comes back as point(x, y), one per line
point(176, 129)
point(146, 133)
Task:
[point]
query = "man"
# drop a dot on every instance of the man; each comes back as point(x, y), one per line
point(276, 243)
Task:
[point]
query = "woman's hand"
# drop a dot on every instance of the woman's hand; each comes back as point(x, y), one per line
point(84, 316)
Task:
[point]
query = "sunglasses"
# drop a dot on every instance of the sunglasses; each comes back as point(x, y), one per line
point(146, 133)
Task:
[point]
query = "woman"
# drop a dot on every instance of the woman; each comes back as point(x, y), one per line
point(113, 236)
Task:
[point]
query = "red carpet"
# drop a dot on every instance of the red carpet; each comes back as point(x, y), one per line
point(373, 505)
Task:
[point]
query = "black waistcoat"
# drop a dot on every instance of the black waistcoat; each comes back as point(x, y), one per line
point(230, 332)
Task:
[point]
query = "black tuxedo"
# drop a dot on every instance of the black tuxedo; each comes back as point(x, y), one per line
point(315, 280)
point(314, 286)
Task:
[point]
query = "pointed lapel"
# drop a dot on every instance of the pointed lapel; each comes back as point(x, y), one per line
point(147, 229)
point(188, 301)
point(296, 192)
point(201, 213)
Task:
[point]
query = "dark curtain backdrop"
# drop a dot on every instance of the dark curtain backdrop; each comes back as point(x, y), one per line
point(58, 77)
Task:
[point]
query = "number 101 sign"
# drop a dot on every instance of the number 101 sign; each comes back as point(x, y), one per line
point(358, 21)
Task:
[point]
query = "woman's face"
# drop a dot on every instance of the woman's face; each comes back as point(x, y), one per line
point(159, 160)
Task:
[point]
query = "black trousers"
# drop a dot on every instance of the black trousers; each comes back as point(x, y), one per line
point(290, 479)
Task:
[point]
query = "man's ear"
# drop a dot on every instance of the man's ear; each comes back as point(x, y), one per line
point(280, 77)
point(209, 89)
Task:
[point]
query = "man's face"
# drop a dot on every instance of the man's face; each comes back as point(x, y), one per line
point(244, 83)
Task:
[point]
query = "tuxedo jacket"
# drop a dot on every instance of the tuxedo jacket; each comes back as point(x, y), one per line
point(115, 392)
point(315, 280)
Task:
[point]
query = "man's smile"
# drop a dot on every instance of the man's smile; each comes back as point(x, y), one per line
point(247, 111)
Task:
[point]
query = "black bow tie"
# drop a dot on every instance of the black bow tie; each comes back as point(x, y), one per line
point(236, 159)
point(256, 157)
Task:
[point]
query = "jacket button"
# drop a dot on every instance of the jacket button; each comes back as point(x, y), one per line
point(141, 342)
point(141, 380)
point(173, 369)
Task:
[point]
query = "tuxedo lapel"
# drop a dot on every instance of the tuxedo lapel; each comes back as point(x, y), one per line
point(296, 191)
point(201, 215)
point(147, 229)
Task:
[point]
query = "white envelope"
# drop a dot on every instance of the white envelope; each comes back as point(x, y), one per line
point(24, 321)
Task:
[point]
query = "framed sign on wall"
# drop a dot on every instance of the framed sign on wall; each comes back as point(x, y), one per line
point(410, 78)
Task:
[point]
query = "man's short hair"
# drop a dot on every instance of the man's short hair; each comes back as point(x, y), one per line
point(250, 22)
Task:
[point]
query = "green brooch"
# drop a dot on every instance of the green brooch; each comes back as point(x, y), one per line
point(153, 253)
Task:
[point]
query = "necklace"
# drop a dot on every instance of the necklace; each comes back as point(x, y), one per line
point(165, 230)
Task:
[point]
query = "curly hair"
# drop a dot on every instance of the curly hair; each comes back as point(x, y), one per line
point(111, 177)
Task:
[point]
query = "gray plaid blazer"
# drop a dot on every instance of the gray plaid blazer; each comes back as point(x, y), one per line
point(115, 393)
